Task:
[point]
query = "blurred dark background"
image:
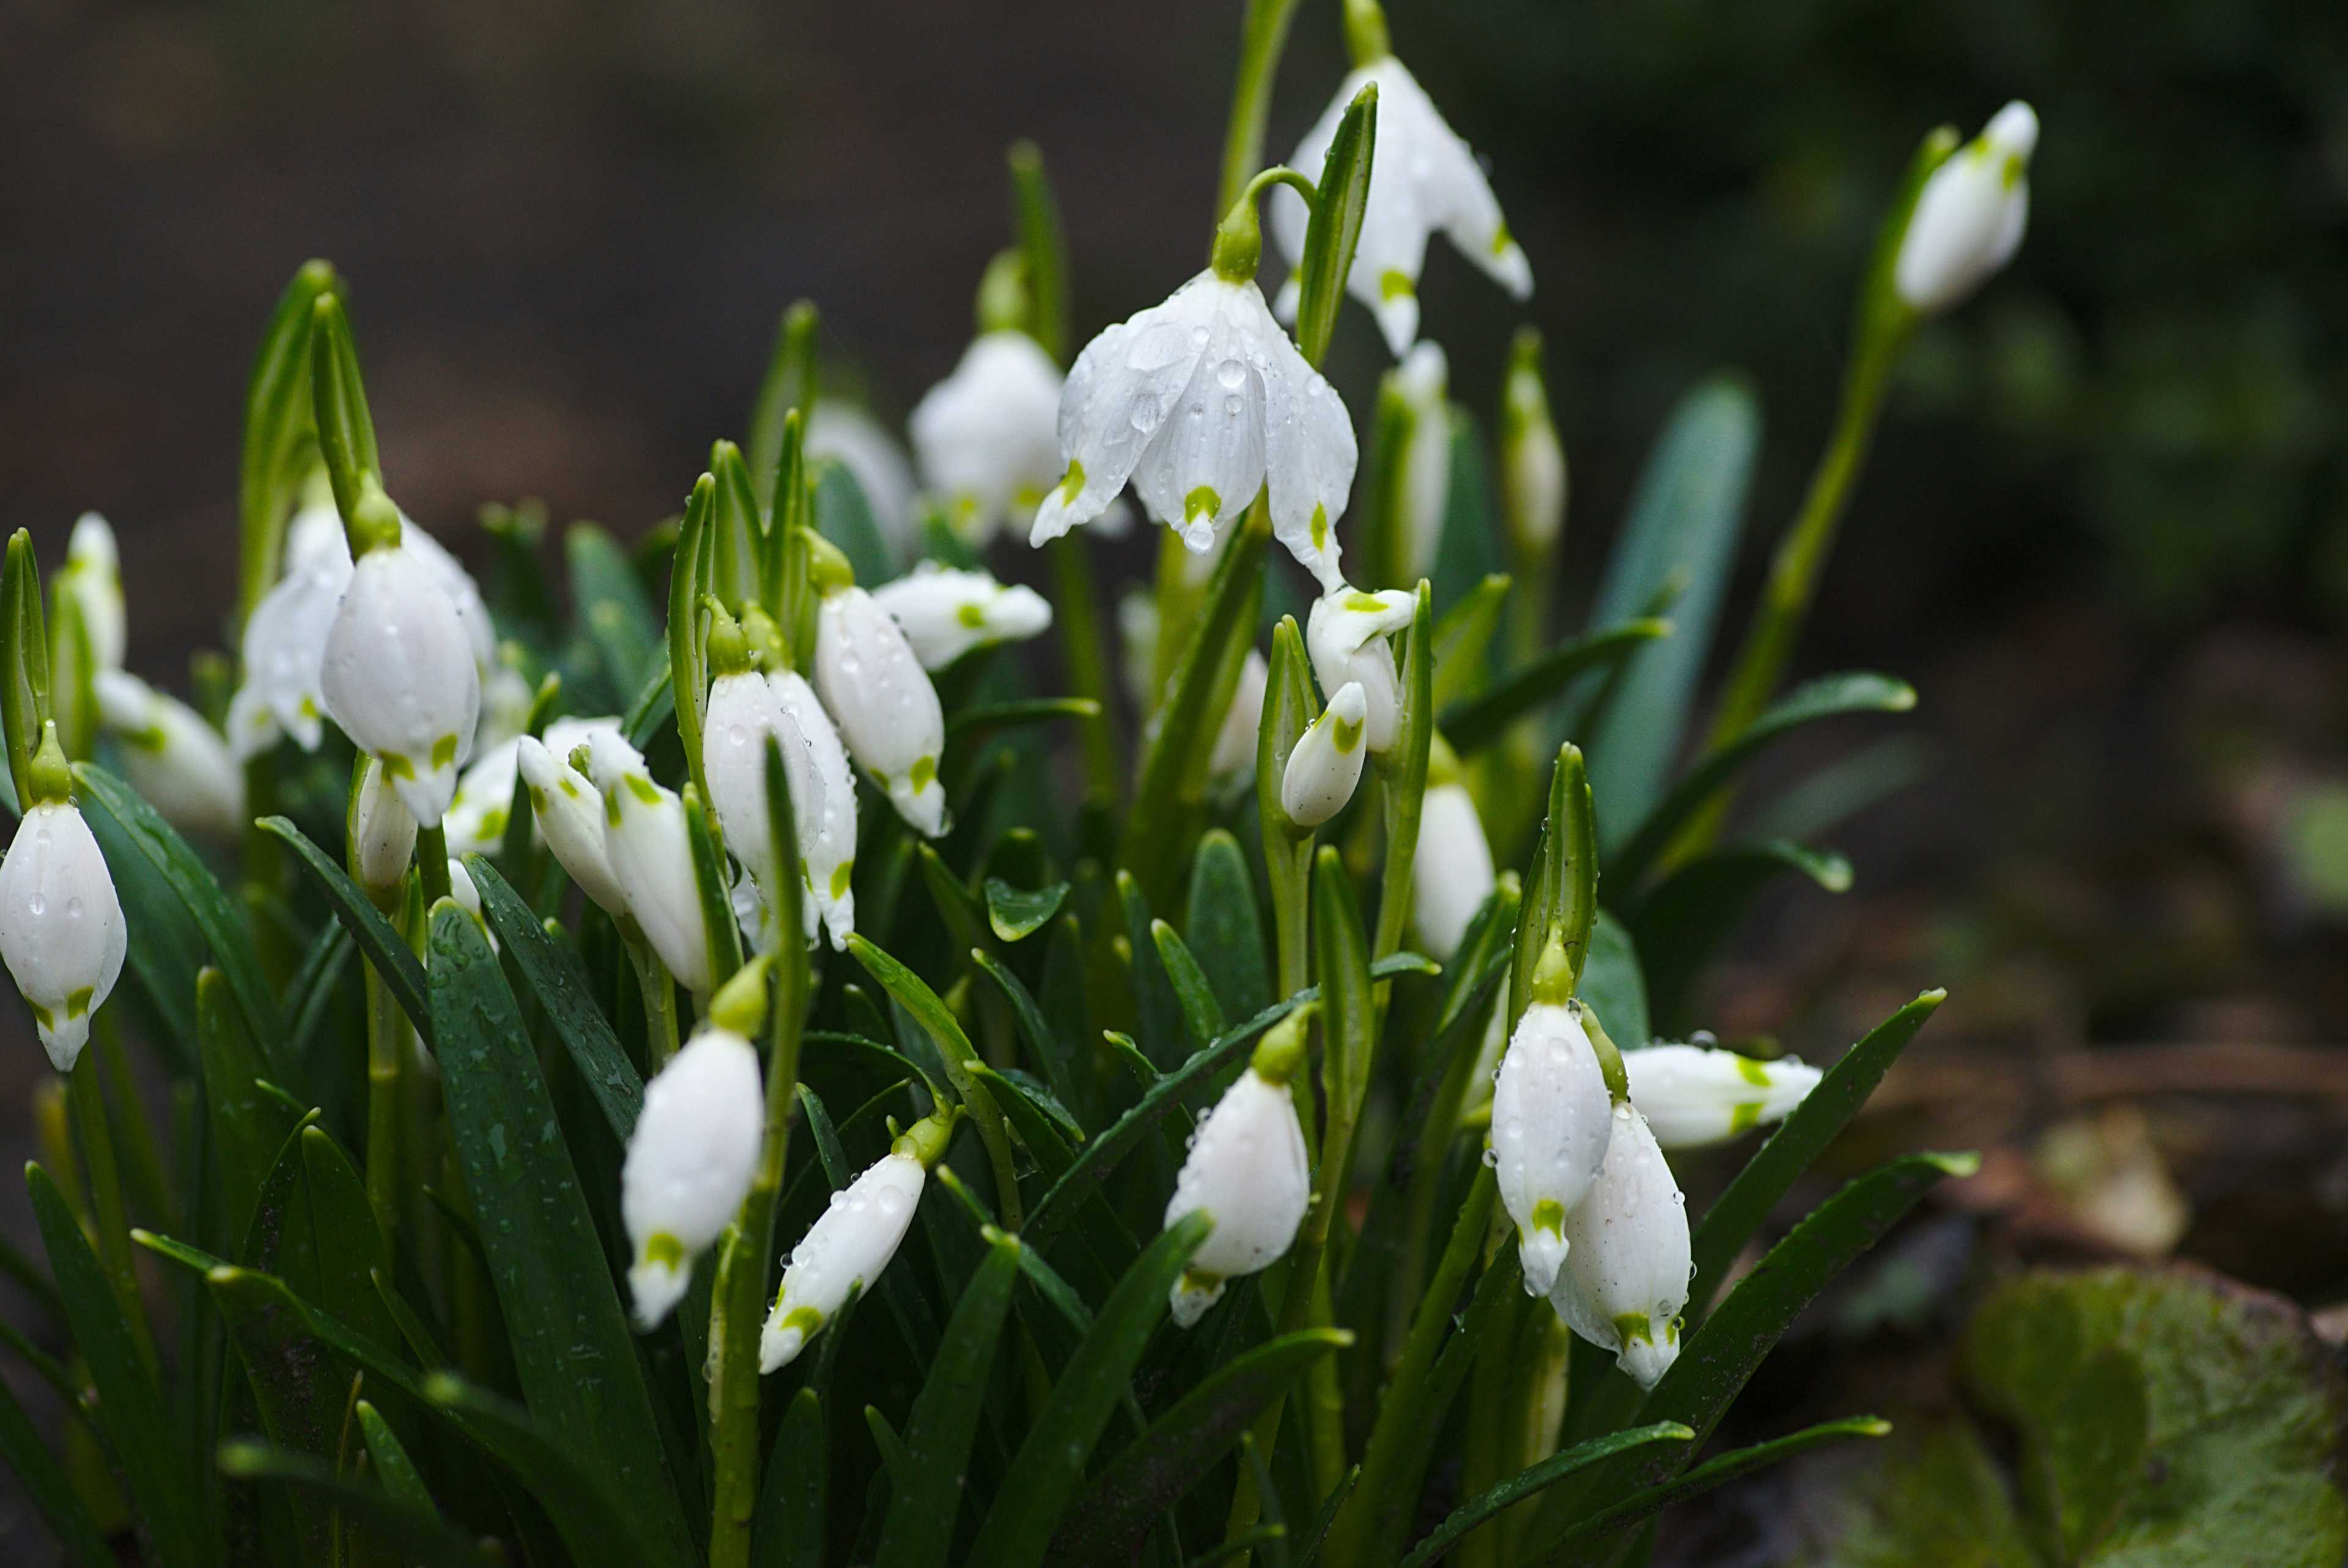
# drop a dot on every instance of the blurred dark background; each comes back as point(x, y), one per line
point(2105, 531)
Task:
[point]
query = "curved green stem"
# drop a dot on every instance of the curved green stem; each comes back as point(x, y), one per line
point(660, 1003)
point(387, 1044)
point(432, 862)
point(1263, 34)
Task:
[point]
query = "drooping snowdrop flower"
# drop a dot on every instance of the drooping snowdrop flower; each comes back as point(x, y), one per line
point(472, 612)
point(844, 433)
point(92, 579)
point(987, 436)
point(1969, 218)
point(1235, 742)
point(382, 833)
point(1200, 402)
point(1326, 764)
point(848, 1247)
point(875, 688)
point(1693, 1097)
point(650, 850)
point(1423, 177)
point(1419, 389)
point(1346, 634)
point(61, 928)
point(564, 807)
point(743, 715)
point(826, 816)
point(1451, 870)
point(1625, 1280)
point(1248, 1171)
point(694, 1149)
point(1532, 459)
point(399, 675)
point(284, 640)
point(945, 613)
point(176, 759)
point(476, 820)
point(1551, 1117)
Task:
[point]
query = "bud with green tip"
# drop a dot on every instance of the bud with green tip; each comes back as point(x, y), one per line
point(176, 759)
point(565, 809)
point(825, 816)
point(381, 832)
point(1326, 764)
point(875, 690)
point(62, 934)
point(1551, 1119)
point(1346, 633)
point(945, 613)
point(650, 850)
point(1533, 481)
point(1625, 1283)
point(1247, 1171)
point(987, 437)
point(1969, 218)
point(1451, 869)
point(1695, 1097)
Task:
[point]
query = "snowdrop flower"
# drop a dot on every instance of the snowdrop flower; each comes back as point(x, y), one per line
point(825, 815)
point(176, 759)
point(844, 433)
point(382, 833)
point(1969, 218)
point(1451, 870)
point(694, 1149)
point(650, 850)
point(286, 638)
point(1235, 743)
point(1423, 178)
point(1693, 1097)
point(476, 820)
point(399, 675)
point(1346, 634)
point(467, 897)
point(1418, 391)
point(61, 930)
point(849, 1246)
point(987, 436)
point(944, 613)
point(1327, 762)
point(1137, 645)
point(1533, 459)
point(92, 579)
point(1625, 1280)
point(472, 614)
point(507, 699)
point(874, 686)
point(1551, 1117)
point(1247, 1171)
point(1201, 401)
point(568, 815)
point(743, 715)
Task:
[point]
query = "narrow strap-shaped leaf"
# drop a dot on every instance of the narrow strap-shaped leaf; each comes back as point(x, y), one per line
point(843, 513)
point(44, 1481)
point(1561, 899)
point(1475, 723)
point(1117, 1511)
point(1016, 914)
point(24, 679)
point(279, 421)
point(928, 1497)
point(1044, 244)
point(1050, 1463)
point(1343, 192)
point(1692, 911)
point(972, 725)
point(1201, 1011)
point(311, 994)
point(1317, 1535)
point(392, 1468)
point(1531, 1479)
point(789, 1532)
point(384, 948)
point(1402, 772)
point(552, 975)
point(1222, 928)
point(611, 607)
point(573, 1351)
point(338, 402)
point(1613, 984)
point(1461, 636)
point(298, 1389)
point(1289, 709)
point(412, 1530)
point(1061, 1059)
point(247, 1126)
point(686, 571)
point(790, 384)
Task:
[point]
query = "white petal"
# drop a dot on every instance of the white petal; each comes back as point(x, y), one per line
point(93, 576)
point(1310, 460)
point(61, 930)
point(1326, 765)
point(987, 437)
point(176, 759)
point(743, 713)
point(876, 690)
point(1118, 396)
point(382, 832)
point(1246, 1169)
point(399, 675)
point(844, 433)
point(845, 1249)
point(1451, 872)
point(1552, 1118)
point(476, 816)
point(1422, 381)
point(1205, 462)
point(1235, 742)
point(826, 816)
point(690, 1161)
point(1345, 633)
point(1969, 216)
point(569, 815)
point(945, 613)
point(1625, 1281)
point(1694, 1098)
point(651, 851)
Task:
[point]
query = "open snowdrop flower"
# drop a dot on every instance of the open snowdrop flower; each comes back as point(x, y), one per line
point(1247, 1171)
point(743, 715)
point(284, 639)
point(1419, 388)
point(475, 822)
point(945, 613)
point(1235, 742)
point(61, 928)
point(696, 1148)
point(873, 685)
point(1624, 1284)
point(1969, 218)
point(399, 674)
point(1326, 764)
point(842, 432)
point(92, 578)
point(650, 850)
point(566, 811)
point(1551, 1119)
point(1451, 869)
point(382, 834)
point(987, 437)
point(1423, 178)
point(847, 1248)
point(825, 816)
point(1346, 634)
point(1695, 1097)
point(176, 759)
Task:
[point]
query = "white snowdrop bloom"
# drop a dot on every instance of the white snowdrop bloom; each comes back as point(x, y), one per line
point(399, 675)
point(743, 715)
point(1235, 740)
point(480, 631)
point(176, 759)
point(825, 815)
point(1969, 218)
point(650, 854)
point(285, 642)
point(1346, 634)
point(1421, 387)
point(1693, 1097)
point(467, 897)
point(568, 814)
point(851, 1242)
point(1200, 402)
point(92, 578)
point(875, 690)
point(1551, 1120)
point(844, 433)
point(690, 1162)
point(1248, 1171)
point(476, 820)
point(1423, 177)
point(61, 928)
point(945, 613)
point(507, 699)
point(987, 436)
point(1137, 645)
point(382, 833)
point(1625, 1281)
point(1326, 764)
point(1451, 870)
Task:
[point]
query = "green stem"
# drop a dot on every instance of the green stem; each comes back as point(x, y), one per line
point(432, 862)
point(263, 857)
point(386, 1027)
point(1263, 34)
point(143, 1157)
point(1087, 656)
point(108, 1216)
point(660, 1003)
point(1490, 1388)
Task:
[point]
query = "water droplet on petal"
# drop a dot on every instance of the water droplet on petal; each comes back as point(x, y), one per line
point(1231, 372)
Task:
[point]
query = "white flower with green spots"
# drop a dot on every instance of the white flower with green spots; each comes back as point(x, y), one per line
point(1326, 763)
point(852, 1242)
point(987, 436)
point(61, 928)
point(875, 689)
point(1247, 1171)
point(650, 850)
point(825, 815)
point(1625, 1285)
point(945, 613)
point(175, 759)
point(690, 1162)
point(1346, 634)
point(1969, 217)
point(1551, 1119)
point(399, 674)
point(566, 811)
point(1695, 1097)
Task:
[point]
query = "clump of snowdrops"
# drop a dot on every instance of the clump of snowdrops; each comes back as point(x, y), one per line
point(755, 1067)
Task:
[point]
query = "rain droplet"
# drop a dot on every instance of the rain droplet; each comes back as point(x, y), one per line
point(1146, 412)
point(1492, 1157)
point(1231, 372)
point(36, 904)
point(1198, 336)
point(1233, 404)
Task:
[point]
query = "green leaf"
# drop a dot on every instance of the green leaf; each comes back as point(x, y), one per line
point(1343, 186)
point(613, 608)
point(1530, 1480)
point(552, 973)
point(738, 526)
point(384, 950)
point(310, 995)
point(572, 1348)
point(1472, 723)
point(1692, 911)
point(1062, 1060)
point(1561, 897)
point(1402, 771)
point(338, 402)
point(280, 431)
point(1050, 1463)
point(248, 1127)
point(392, 1468)
point(1044, 245)
point(928, 1497)
point(1224, 932)
point(975, 725)
point(1935, 1494)
point(1202, 1013)
point(25, 682)
point(1593, 1536)
point(410, 1528)
point(299, 1391)
point(843, 513)
point(1684, 519)
point(1613, 984)
point(790, 383)
point(789, 1532)
point(1161, 1466)
point(688, 574)
point(44, 1481)
point(1824, 698)
point(1462, 635)
point(1016, 914)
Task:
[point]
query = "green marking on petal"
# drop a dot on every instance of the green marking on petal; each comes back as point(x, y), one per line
point(1364, 603)
point(1394, 283)
point(2011, 174)
point(1502, 240)
point(42, 1015)
point(1753, 1072)
point(1347, 734)
point(643, 789)
point(1320, 527)
point(1633, 1326)
point(1072, 483)
point(971, 615)
point(1548, 1214)
point(78, 1002)
point(493, 824)
point(1201, 502)
point(611, 808)
point(395, 767)
point(150, 738)
point(925, 772)
point(444, 752)
point(664, 1248)
point(806, 1319)
point(1745, 1116)
point(309, 708)
point(839, 878)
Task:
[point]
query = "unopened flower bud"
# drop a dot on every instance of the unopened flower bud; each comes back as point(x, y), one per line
point(1552, 1118)
point(1532, 459)
point(825, 815)
point(1417, 390)
point(1247, 1171)
point(92, 579)
point(382, 833)
point(1345, 633)
point(875, 690)
point(1625, 1282)
point(61, 928)
point(1235, 742)
point(690, 1162)
point(176, 759)
point(650, 854)
point(944, 613)
point(848, 1247)
point(1327, 761)
point(1451, 870)
point(1968, 220)
point(1693, 1097)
